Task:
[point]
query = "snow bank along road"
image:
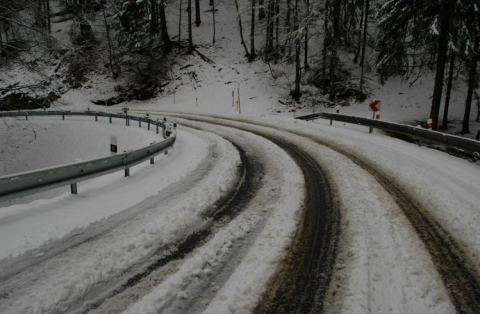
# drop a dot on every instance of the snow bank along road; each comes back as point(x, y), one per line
point(274, 217)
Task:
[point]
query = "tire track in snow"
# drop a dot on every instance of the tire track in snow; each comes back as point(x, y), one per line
point(300, 286)
point(220, 214)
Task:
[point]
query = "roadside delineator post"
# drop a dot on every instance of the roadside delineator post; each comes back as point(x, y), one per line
point(239, 104)
point(374, 107)
point(429, 124)
point(113, 145)
point(152, 160)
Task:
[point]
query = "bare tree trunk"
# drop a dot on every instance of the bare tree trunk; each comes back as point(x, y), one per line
point(180, 22)
point(333, 49)
point(212, 3)
point(305, 61)
point(472, 80)
point(449, 89)
point(271, 9)
point(239, 17)
point(253, 54)
point(167, 43)
point(198, 21)
point(364, 44)
point(296, 93)
point(357, 53)
point(111, 54)
point(47, 13)
point(190, 39)
point(446, 8)
point(153, 17)
point(268, 44)
point(326, 43)
point(288, 24)
point(261, 10)
point(277, 30)
point(2, 52)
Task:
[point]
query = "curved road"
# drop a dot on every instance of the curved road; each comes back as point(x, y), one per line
point(310, 274)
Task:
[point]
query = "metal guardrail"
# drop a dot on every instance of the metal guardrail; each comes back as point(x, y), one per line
point(26, 183)
point(465, 145)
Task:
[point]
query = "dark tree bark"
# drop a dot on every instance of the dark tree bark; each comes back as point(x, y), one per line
point(198, 21)
point(261, 10)
point(167, 43)
point(190, 39)
point(240, 28)
point(269, 29)
point(333, 47)
point(446, 8)
point(296, 92)
point(180, 22)
point(212, 3)
point(288, 25)
point(277, 30)
point(326, 43)
point(471, 86)
point(305, 55)
point(364, 44)
point(253, 54)
point(450, 81)
point(47, 14)
point(153, 17)
point(448, 93)
point(357, 53)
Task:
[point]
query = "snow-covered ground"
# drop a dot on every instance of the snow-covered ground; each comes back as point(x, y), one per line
point(383, 266)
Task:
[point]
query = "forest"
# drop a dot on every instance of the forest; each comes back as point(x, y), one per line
point(138, 39)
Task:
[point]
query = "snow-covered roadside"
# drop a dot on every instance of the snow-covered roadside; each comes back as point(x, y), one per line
point(49, 141)
point(27, 226)
point(448, 187)
point(68, 277)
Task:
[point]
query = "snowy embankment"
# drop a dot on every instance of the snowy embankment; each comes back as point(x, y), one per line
point(26, 226)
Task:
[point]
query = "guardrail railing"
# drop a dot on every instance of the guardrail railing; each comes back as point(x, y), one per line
point(26, 183)
point(465, 145)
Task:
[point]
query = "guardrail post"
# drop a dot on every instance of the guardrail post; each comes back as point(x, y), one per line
point(149, 124)
point(157, 127)
point(26, 116)
point(73, 188)
point(110, 118)
point(140, 122)
point(96, 117)
point(63, 115)
point(331, 121)
point(127, 172)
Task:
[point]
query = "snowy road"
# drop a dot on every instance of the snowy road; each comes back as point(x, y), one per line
point(270, 217)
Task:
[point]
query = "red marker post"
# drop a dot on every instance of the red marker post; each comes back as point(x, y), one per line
point(429, 124)
point(375, 107)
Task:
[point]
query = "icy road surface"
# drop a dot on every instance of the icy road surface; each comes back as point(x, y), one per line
point(212, 225)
